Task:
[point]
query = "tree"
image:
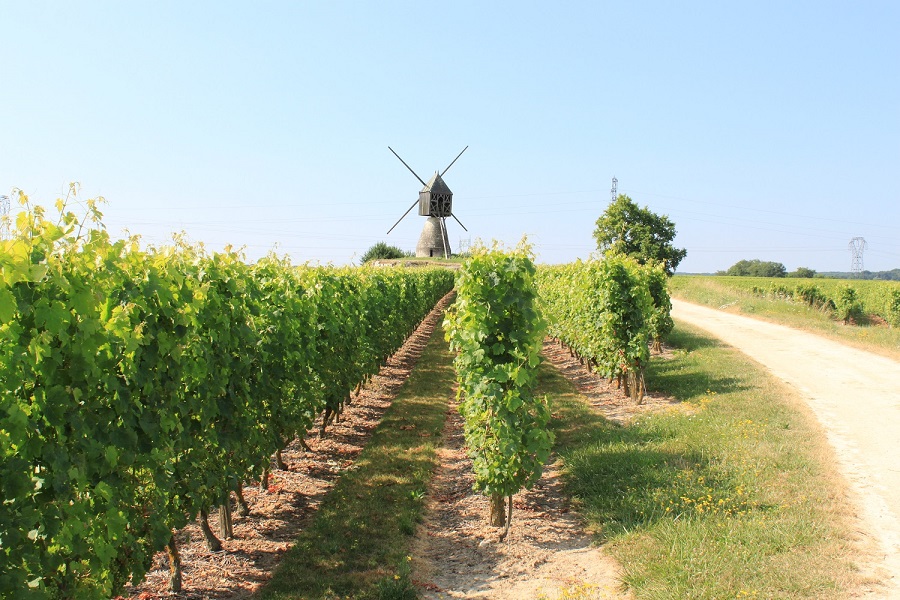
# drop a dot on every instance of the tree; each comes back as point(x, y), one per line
point(803, 273)
point(756, 268)
point(382, 251)
point(626, 228)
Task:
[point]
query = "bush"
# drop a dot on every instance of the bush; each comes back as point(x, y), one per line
point(893, 309)
point(802, 273)
point(497, 331)
point(756, 268)
point(382, 251)
point(848, 306)
point(813, 296)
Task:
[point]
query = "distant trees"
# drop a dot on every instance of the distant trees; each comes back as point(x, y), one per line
point(892, 275)
point(802, 273)
point(626, 228)
point(383, 251)
point(756, 268)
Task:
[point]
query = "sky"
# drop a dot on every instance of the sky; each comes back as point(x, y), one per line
point(764, 130)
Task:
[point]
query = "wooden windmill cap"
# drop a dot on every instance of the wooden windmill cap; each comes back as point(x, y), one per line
point(436, 185)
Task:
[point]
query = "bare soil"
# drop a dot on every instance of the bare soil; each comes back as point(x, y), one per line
point(457, 555)
point(601, 394)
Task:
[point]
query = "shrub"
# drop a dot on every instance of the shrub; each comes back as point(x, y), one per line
point(802, 273)
point(382, 251)
point(756, 268)
point(893, 309)
point(813, 296)
point(848, 306)
point(497, 331)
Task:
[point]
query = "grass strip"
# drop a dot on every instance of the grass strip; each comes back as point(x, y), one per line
point(722, 292)
point(356, 545)
point(729, 495)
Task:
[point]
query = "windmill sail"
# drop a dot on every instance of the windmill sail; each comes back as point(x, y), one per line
point(435, 202)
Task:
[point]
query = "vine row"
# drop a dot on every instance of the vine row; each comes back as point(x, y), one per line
point(607, 312)
point(140, 387)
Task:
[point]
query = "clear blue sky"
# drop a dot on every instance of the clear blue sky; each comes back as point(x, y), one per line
point(766, 130)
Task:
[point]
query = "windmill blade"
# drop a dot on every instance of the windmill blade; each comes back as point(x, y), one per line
point(451, 164)
point(404, 216)
point(408, 167)
point(458, 221)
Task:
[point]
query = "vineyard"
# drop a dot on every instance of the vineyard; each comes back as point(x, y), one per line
point(845, 299)
point(607, 312)
point(143, 388)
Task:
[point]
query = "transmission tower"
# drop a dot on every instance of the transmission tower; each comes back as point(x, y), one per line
point(614, 192)
point(857, 246)
point(4, 217)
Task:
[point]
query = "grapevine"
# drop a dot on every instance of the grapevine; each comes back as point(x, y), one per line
point(497, 331)
point(139, 387)
point(605, 312)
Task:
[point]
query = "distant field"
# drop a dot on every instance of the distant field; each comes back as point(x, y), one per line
point(454, 262)
point(782, 300)
point(874, 296)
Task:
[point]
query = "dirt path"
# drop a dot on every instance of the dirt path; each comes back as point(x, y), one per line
point(546, 555)
point(855, 395)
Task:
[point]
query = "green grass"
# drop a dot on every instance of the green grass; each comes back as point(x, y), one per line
point(357, 543)
point(735, 294)
point(731, 495)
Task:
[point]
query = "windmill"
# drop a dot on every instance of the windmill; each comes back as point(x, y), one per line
point(435, 202)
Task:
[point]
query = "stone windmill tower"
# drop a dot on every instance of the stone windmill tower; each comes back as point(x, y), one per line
point(435, 202)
